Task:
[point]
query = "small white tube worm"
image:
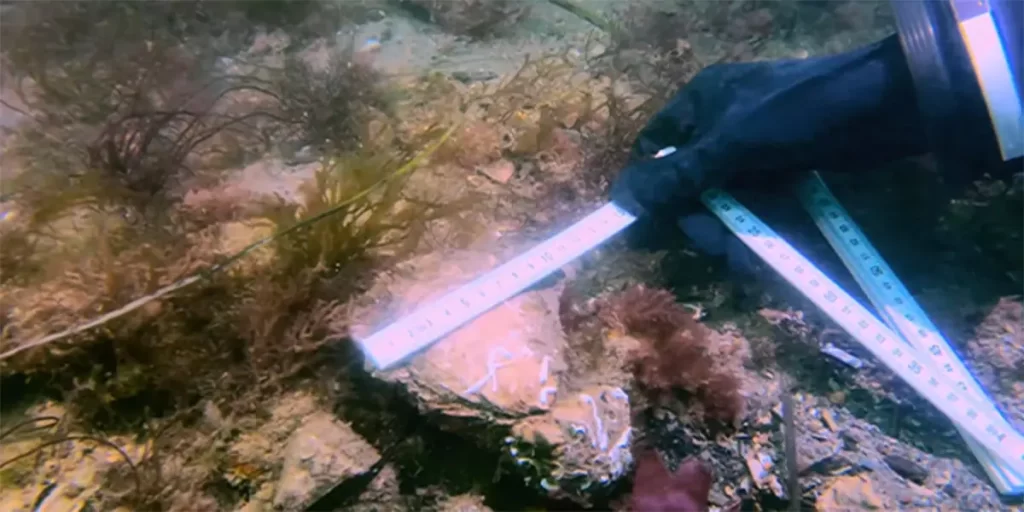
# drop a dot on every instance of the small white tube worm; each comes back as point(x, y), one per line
point(545, 393)
point(544, 364)
point(601, 437)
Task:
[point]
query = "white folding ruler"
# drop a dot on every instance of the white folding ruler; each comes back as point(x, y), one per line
point(426, 325)
point(901, 313)
point(980, 421)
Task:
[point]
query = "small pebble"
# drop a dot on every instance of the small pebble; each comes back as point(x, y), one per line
point(831, 465)
point(949, 489)
point(829, 420)
point(849, 442)
point(907, 468)
point(837, 397)
point(467, 77)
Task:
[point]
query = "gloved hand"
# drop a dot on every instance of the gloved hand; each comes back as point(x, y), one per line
point(760, 124)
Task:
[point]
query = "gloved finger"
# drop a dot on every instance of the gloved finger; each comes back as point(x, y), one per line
point(661, 132)
point(712, 237)
point(645, 146)
point(622, 192)
point(660, 187)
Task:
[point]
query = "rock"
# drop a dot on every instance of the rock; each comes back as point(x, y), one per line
point(760, 22)
point(496, 362)
point(944, 482)
point(475, 145)
point(999, 340)
point(592, 434)
point(73, 478)
point(562, 155)
point(760, 466)
point(266, 177)
point(505, 375)
point(855, 16)
point(383, 493)
point(757, 23)
point(851, 493)
point(258, 445)
point(830, 465)
point(500, 171)
point(472, 18)
point(304, 155)
point(463, 503)
point(319, 455)
point(470, 76)
point(314, 451)
point(907, 468)
point(829, 420)
point(185, 502)
point(260, 500)
point(850, 442)
point(212, 415)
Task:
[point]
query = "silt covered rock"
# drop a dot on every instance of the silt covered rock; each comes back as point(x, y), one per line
point(504, 378)
point(313, 449)
point(319, 455)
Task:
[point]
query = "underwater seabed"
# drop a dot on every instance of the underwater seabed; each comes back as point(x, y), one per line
point(203, 205)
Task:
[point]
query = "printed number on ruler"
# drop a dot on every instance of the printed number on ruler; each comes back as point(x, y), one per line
point(995, 433)
point(426, 325)
point(429, 323)
point(898, 308)
point(896, 293)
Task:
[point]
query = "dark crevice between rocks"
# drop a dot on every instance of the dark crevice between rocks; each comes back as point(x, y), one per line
point(18, 390)
point(104, 399)
point(458, 460)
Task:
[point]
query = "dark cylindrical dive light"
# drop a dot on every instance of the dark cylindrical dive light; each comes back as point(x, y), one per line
point(965, 60)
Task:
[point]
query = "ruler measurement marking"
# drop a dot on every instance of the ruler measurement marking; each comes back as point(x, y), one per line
point(408, 335)
point(867, 328)
point(886, 291)
point(899, 295)
point(385, 347)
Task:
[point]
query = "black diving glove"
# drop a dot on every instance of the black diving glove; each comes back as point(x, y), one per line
point(760, 124)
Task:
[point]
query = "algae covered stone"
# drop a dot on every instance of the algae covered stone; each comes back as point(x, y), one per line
point(504, 377)
point(320, 454)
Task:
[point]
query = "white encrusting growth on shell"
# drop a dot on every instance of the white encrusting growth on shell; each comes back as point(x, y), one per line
point(545, 393)
point(600, 440)
point(492, 368)
point(616, 393)
point(617, 456)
